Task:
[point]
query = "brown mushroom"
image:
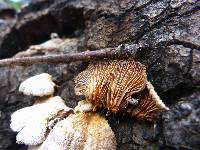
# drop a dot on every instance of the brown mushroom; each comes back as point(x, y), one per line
point(109, 84)
point(149, 104)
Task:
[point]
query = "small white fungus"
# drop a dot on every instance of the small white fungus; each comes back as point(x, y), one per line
point(83, 106)
point(38, 85)
point(32, 122)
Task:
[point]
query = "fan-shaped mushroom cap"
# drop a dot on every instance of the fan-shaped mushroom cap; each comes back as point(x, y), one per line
point(110, 83)
point(32, 122)
point(38, 85)
point(81, 131)
point(149, 104)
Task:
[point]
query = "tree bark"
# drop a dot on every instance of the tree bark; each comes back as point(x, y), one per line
point(167, 30)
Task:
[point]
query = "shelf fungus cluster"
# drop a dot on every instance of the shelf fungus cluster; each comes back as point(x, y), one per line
point(119, 86)
point(80, 131)
point(50, 125)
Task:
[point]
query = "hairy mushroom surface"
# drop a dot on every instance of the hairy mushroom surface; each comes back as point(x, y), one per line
point(31, 123)
point(38, 85)
point(80, 131)
point(110, 84)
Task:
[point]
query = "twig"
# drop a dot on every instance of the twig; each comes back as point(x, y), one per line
point(66, 58)
point(121, 51)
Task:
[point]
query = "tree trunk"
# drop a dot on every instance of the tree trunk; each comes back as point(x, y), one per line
point(170, 32)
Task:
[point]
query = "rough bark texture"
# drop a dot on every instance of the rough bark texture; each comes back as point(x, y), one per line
point(169, 28)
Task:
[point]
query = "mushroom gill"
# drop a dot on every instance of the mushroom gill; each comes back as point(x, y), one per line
point(111, 83)
point(149, 104)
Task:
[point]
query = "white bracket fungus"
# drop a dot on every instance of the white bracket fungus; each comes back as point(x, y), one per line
point(38, 85)
point(86, 131)
point(32, 122)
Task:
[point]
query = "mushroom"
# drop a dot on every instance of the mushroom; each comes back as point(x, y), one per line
point(86, 131)
point(38, 85)
point(148, 104)
point(112, 85)
point(109, 84)
point(116, 86)
point(32, 122)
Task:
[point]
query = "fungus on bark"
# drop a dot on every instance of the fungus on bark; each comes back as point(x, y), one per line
point(38, 85)
point(31, 123)
point(110, 83)
point(80, 131)
point(50, 124)
point(113, 84)
point(119, 86)
point(149, 104)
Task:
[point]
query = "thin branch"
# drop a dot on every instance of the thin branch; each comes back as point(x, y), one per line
point(121, 51)
point(66, 58)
